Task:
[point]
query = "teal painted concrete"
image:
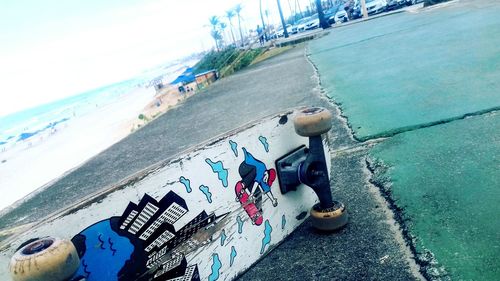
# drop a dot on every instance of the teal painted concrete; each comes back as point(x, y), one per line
point(412, 77)
point(406, 70)
point(447, 180)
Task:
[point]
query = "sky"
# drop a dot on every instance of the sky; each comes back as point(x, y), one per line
point(53, 49)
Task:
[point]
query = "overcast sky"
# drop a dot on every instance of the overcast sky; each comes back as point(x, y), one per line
point(52, 49)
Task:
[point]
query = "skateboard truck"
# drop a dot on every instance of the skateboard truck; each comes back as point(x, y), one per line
point(308, 166)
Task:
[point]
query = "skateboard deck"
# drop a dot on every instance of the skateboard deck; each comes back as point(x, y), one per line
point(208, 214)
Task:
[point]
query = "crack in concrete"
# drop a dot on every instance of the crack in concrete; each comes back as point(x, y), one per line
point(423, 264)
point(401, 130)
point(323, 95)
point(425, 261)
point(355, 148)
point(394, 214)
point(396, 223)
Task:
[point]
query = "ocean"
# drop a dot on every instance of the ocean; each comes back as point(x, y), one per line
point(25, 125)
point(69, 131)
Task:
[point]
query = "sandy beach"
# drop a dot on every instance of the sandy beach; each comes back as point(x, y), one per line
point(29, 166)
point(162, 101)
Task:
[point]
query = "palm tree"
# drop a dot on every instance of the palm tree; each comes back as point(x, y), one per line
point(285, 32)
point(237, 10)
point(262, 19)
point(222, 26)
point(292, 12)
point(266, 12)
point(323, 23)
point(217, 38)
point(297, 5)
point(229, 16)
point(214, 22)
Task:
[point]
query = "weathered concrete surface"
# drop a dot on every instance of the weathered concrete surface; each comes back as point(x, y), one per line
point(445, 180)
point(430, 81)
point(366, 249)
point(413, 70)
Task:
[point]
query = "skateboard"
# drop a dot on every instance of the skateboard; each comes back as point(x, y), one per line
point(208, 214)
point(248, 204)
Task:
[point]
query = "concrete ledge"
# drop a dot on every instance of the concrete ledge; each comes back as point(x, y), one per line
point(296, 40)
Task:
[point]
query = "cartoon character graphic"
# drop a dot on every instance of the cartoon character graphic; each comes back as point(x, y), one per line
point(255, 180)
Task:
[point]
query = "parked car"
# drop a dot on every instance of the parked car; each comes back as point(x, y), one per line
point(376, 6)
point(356, 10)
point(333, 14)
point(413, 2)
point(330, 15)
point(313, 22)
point(395, 4)
point(341, 16)
point(300, 25)
point(280, 32)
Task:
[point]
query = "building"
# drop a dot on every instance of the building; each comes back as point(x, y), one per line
point(189, 81)
point(186, 81)
point(206, 78)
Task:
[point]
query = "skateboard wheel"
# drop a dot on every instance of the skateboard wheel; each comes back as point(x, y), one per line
point(45, 259)
point(313, 121)
point(330, 219)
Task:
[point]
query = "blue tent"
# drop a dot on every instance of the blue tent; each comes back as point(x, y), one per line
point(24, 136)
point(186, 77)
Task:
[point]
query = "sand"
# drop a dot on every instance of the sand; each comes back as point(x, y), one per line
point(29, 166)
point(165, 99)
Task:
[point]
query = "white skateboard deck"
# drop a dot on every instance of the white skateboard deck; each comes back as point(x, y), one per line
point(181, 219)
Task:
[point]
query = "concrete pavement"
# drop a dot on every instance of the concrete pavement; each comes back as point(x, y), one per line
point(368, 248)
point(429, 82)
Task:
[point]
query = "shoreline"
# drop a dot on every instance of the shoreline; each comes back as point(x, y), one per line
point(29, 167)
point(109, 131)
point(161, 102)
